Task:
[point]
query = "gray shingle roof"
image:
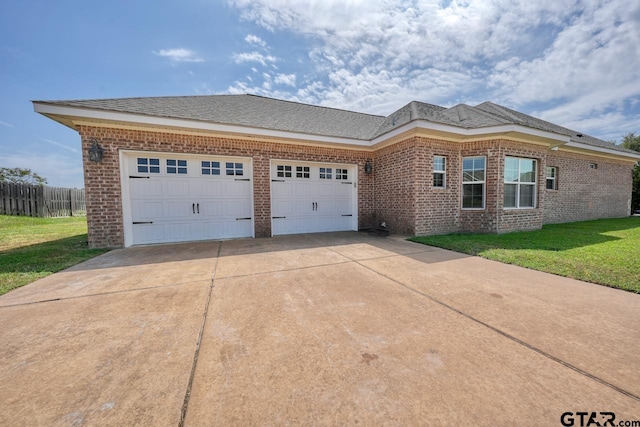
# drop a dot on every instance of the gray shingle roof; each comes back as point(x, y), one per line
point(244, 110)
point(522, 119)
point(274, 114)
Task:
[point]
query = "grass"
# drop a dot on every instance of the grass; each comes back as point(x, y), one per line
point(606, 251)
point(32, 248)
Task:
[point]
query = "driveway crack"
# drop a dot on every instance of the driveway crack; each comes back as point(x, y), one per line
point(194, 364)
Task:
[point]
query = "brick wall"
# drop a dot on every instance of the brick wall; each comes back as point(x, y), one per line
point(399, 191)
point(395, 186)
point(102, 180)
point(437, 209)
point(585, 193)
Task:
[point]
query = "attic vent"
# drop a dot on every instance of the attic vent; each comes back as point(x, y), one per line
point(579, 135)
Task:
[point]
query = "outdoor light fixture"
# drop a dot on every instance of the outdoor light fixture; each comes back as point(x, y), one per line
point(368, 168)
point(96, 152)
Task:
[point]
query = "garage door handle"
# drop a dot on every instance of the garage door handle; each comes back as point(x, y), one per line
point(193, 207)
point(242, 219)
point(142, 222)
point(139, 177)
point(277, 180)
point(345, 182)
point(278, 217)
point(242, 179)
point(348, 215)
point(198, 207)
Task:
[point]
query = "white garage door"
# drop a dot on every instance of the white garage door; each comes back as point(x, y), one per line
point(312, 197)
point(177, 198)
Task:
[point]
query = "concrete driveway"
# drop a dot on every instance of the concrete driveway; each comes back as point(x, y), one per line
point(322, 329)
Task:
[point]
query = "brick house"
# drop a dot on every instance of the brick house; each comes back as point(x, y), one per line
point(228, 166)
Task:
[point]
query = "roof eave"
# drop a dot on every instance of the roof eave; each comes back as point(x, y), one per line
point(603, 150)
point(471, 132)
point(68, 116)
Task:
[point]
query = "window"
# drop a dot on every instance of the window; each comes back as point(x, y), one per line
point(552, 178)
point(234, 168)
point(519, 183)
point(210, 168)
point(302, 172)
point(342, 174)
point(147, 165)
point(283, 171)
point(326, 173)
point(177, 166)
point(473, 172)
point(439, 171)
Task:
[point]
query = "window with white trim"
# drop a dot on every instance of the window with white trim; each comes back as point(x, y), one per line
point(234, 169)
point(326, 173)
point(473, 181)
point(176, 166)
point(148, 165)
point(519, 183)
point(439, 171)
point(552, 178)
point(342, 174)
point(210, 168)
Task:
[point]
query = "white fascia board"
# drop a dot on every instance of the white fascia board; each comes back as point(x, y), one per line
point(603, 150)
point(140, 119)
point(423, 124)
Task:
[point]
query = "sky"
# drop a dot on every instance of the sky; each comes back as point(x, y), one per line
point(574, 63)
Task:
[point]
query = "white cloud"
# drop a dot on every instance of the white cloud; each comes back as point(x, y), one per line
point(580, 56)
point(258, 57)
point(58, 144)
point(5, 124)
point(256, 41)
point(285, 79)
point(179, 55)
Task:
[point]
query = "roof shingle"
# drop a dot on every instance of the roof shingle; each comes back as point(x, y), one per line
point(274, 114)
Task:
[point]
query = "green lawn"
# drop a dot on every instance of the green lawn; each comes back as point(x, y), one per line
point(605, 251)
point(31, 248)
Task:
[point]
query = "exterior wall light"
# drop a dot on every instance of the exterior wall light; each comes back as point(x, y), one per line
point(368, 168)
point(96, 152)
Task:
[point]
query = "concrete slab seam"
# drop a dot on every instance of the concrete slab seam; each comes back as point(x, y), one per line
point(506, 335)
point(187, 395)
point(284, 270)
point(100, 294)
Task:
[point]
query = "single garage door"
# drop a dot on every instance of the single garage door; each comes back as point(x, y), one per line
point(177, 198)
point(313, 197)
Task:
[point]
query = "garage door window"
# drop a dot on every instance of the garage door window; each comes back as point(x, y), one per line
point(302, 172)
point(210, 168)
point(326, 173)
point(284, 171)
point(234, 169)
point(342, 174)
point(147, 165)
point(177, 166)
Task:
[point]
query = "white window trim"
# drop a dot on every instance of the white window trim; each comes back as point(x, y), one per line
point(484, 184)
point(443, 172)
point(554, 178)
point(518, 184)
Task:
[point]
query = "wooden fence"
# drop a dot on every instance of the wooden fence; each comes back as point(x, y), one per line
point(37, 200)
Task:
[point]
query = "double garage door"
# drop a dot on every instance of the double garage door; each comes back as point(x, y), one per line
point(178, 197)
